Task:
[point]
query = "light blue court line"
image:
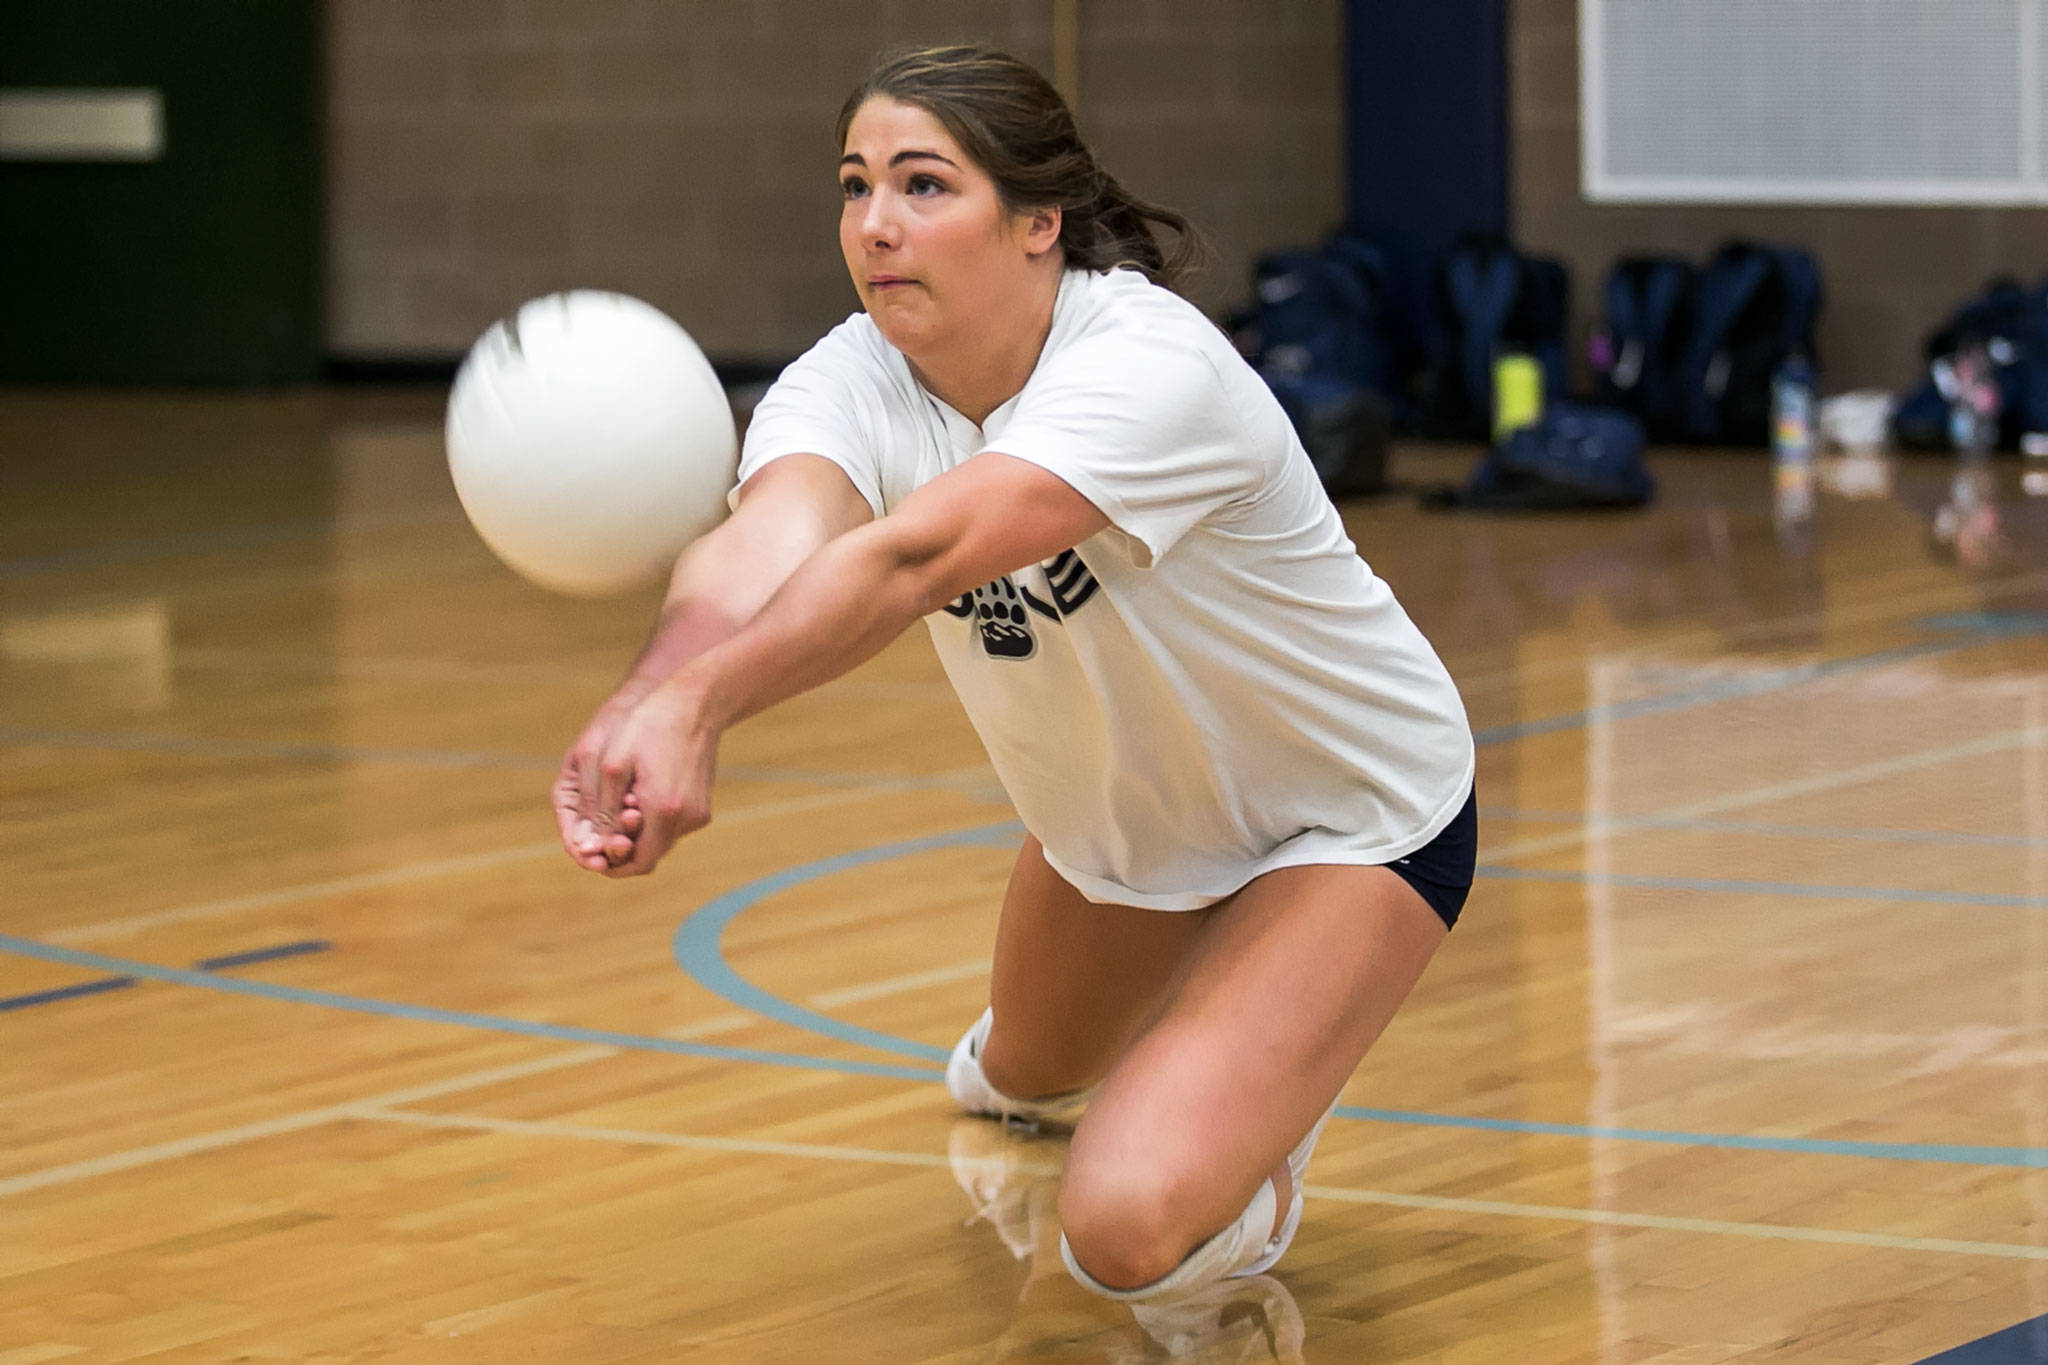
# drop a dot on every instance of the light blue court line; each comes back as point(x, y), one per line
point(1735, 887)
point(1974, 626)
point(391, 1009)
point(2005, 623)
point(273, 749)
point(1771, 830)
point(1721, 689)
point(1962, 1154)
point(133, 551)
point(205, 542)
point(433, 758)
point(699, 951)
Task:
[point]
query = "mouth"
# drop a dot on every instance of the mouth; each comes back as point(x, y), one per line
point(882, 282)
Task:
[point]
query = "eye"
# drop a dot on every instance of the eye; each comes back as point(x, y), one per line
point(925, 184)
point(852, 187)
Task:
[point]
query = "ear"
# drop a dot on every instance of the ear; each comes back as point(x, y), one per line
point(1042, 230)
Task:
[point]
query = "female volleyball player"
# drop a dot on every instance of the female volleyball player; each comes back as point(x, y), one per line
point(1246, 776)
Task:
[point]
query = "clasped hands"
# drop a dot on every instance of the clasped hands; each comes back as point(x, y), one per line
point(636, 780)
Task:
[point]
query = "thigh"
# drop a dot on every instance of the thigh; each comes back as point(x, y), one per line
point(1073, 981)
point(1289, 983)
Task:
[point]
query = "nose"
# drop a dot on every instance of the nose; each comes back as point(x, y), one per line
point(878, 226)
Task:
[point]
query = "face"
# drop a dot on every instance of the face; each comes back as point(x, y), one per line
point(926, 237)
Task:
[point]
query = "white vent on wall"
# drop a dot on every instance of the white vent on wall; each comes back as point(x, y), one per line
point(1814, 101)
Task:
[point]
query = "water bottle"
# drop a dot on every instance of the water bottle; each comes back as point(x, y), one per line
point(1517, 393)
point(1794, 402)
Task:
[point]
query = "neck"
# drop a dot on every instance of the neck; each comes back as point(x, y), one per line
point(976, 379)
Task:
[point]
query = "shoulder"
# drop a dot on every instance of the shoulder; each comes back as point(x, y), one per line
point(840, 400)
point(854, 351)
point(1123, 304)
point(1124, 337)
point(850, 372)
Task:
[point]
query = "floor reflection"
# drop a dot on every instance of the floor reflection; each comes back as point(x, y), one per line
point(1011, 1181)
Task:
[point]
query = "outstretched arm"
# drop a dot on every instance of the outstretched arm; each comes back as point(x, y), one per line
point(988, 517)
point(785, 513)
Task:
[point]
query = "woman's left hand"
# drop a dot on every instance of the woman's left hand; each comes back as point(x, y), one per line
point(658, 765)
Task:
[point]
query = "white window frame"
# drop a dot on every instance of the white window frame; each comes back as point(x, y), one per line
point(1601, 186)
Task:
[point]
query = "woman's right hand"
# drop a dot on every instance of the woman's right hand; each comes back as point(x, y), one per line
point(593, 840)
point(786, 512)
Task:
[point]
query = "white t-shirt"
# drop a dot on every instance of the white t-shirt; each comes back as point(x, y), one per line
point(1213, 687)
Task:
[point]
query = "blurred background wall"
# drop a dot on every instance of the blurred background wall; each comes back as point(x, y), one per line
point(484, 151)
point(183, 246)
point(372, 181)
point(1893, 273)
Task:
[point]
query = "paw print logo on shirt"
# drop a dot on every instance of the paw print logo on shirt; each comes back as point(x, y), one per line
point(1002, 610)
point(999, 613)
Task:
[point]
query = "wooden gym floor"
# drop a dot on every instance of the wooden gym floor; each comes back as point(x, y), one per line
point(314, 1047)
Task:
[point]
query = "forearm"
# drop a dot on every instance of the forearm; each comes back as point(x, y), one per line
point(719, 584)
point(838, 610)
point(692, 621)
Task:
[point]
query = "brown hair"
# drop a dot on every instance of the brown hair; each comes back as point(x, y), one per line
point(1015, 126)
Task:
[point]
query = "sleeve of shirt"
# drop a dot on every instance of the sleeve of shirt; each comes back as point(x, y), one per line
point(822, 404)
point(1144, 432)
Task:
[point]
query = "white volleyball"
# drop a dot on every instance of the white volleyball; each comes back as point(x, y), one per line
point(590, 441)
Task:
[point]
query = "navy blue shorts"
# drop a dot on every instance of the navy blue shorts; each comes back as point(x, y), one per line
point(1441, 870)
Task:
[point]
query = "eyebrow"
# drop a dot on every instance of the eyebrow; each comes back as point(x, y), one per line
point(856, 159)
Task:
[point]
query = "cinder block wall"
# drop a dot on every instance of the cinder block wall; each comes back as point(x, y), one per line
point(1892, 273)
point(484, 151)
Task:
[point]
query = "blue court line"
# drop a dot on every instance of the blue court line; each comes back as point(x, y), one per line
point(1961, 1154)
point(699, 951)
point(116, 983)
point(1722, 689)
point(430, 758)
point(51, 997)
point(1737, 887)
point(2007, 623)
point(391, 1009)
point(255, 955)
point(1775, 830)
point(202, 542)
point(128, 552)
point(273, 749)
point(2023, 1344)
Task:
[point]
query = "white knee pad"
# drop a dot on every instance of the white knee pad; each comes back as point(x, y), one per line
point(1249, 1246)
point(972, 1092)
point(1297, 1167)
point(1233, 1251)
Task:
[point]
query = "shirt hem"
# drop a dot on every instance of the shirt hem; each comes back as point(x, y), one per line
point(1296, 852)
point(846, 463)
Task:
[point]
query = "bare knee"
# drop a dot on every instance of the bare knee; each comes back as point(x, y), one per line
point(1126, 1225)
point(1032, 1073)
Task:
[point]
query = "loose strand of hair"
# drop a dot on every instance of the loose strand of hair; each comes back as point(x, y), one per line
point(1123, 231)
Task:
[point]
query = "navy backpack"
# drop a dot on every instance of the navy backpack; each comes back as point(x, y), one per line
point(1319, 333)
point(1648, 301)
point(1754, 308)
point(1490, 300)
point(2011, 323)
point(1571, 457)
